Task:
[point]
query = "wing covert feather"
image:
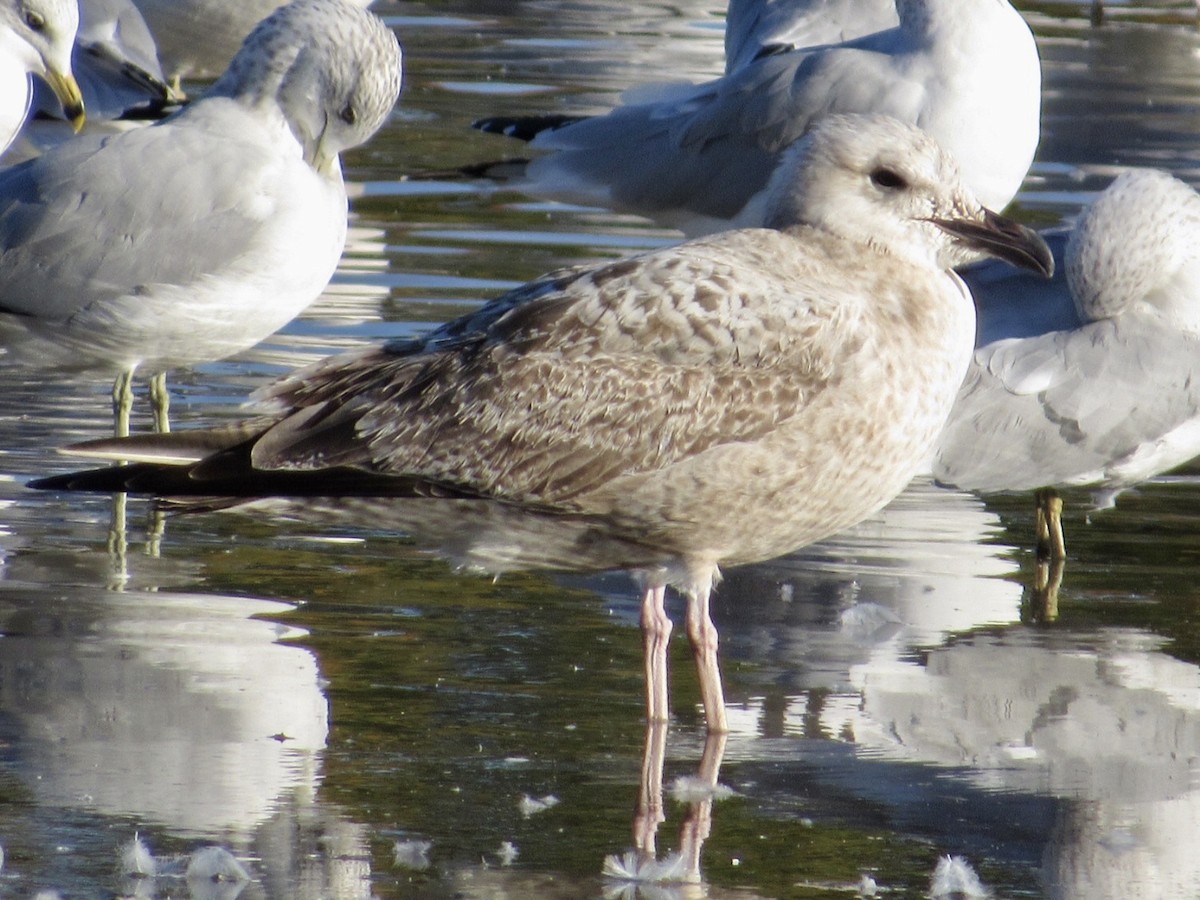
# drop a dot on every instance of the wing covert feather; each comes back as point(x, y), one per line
point(644, 340)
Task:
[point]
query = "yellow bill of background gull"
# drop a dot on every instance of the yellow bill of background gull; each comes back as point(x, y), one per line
point(199, 236)
point(965, 71)
point(724, 401)
point(36, 37)
point(1106, 402)
point(120, 80)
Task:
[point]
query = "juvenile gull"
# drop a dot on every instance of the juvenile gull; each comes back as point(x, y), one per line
point(36, 37)
point(724, 401)
point(1112, 399)
point(966, 71)
point(197, 237)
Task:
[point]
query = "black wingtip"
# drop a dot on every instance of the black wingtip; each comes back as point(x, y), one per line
point(525, 128)
point(105, 481)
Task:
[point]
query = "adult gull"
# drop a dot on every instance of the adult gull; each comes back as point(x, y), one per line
point(195, 238)
point(1110, 399)
point(724, 401)
point(36, 37)
point(966, 71)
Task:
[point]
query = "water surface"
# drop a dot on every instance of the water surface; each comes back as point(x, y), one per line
point(320, 695)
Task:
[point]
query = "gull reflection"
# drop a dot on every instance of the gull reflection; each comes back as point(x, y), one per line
point(900, 642)
point(1107, 723)
point(167, 708)
point(928, 566)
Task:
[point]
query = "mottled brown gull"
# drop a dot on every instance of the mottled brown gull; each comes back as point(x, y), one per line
point(199, 236)
point(726, 400)
point(699, 158)
point(1108, 400)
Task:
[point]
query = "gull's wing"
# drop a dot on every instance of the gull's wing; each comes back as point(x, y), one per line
point(581, 378)
point(714, 148)
point(100, 219)
point(756, 28)
point(1109, 403)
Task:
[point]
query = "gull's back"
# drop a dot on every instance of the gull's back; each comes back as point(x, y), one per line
point(1113, 398)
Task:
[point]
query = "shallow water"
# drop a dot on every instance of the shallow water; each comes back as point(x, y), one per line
point(319, 695)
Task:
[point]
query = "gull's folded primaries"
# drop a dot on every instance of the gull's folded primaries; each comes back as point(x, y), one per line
point(1111, 396)
point(965, 71)
point(197, 237)
point(36, 37)
point(726, 400)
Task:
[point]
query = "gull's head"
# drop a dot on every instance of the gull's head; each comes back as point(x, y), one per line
point(1139, 242)
point(41, 33)
point(877, 181)
point(331, 68)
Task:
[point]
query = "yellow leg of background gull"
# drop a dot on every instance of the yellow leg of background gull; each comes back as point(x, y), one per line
point(1050, 541)
point(160, 402)
point(122, 400)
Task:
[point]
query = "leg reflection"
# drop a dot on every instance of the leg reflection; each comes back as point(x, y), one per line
point(698, 824)
point(1047, 579)
point(649, 813)
point(642, 865)
point(118, 544)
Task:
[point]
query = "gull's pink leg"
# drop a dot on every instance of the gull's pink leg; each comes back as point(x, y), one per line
point(656, 634)
point(703, 635)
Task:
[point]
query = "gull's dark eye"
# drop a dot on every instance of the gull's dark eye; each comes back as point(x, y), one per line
point(35, 20)
point(348, 115)
point(888, 179)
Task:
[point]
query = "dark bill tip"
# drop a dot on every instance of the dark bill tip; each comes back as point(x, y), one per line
point(66, 88)
point(1003, 238)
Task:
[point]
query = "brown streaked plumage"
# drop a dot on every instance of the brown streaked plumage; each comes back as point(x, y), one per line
point(726, 400)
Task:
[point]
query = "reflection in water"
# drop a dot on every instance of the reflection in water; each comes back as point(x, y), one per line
point(1103, 722)
point(1114, 731)
point(161, 707)
point(926, 567)
point(450, 697)
point(913, 576)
